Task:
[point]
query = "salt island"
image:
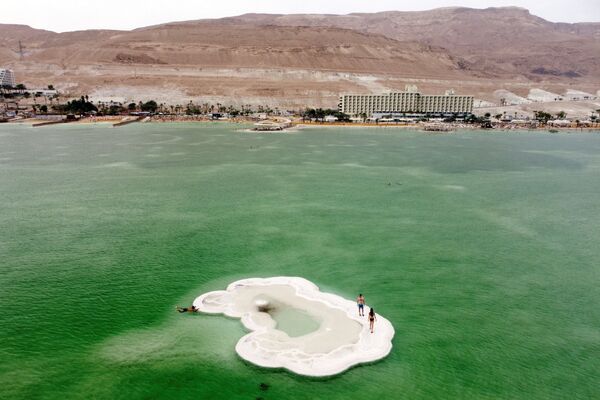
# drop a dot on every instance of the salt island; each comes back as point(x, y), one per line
point(297, 327)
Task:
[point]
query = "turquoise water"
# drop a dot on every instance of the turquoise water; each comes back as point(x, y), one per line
point(294, 322)
point(481, 248)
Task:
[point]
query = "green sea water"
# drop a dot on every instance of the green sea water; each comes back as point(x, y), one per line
point(481, 248)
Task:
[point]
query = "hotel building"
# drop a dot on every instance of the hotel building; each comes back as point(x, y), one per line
point(7, 78)
point(408, 102)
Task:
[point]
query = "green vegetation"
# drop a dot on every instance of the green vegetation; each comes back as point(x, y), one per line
point(473, 119)
point(542, 116)
point(193, 109)
point(149, 106)
point(112, 109)
point(450, 119)
point(319, 114)
point(81, 106)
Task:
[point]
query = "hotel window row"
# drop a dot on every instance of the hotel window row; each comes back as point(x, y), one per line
point(405, 102)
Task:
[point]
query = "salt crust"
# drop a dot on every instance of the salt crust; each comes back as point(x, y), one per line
point(341, 340)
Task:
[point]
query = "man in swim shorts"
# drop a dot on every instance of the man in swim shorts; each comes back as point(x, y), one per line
point(360, 301)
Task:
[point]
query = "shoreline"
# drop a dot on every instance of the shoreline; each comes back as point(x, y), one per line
point(298, 126)
point(453, 128)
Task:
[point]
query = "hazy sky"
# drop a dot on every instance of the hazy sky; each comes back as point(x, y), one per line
point(67, 15)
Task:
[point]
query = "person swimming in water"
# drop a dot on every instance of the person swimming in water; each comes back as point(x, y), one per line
point(372, 318)
point(360, 301)
point(186, 309)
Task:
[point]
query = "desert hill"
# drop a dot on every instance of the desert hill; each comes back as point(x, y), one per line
point(208, 44)
point(297, 60)
point(503, 41)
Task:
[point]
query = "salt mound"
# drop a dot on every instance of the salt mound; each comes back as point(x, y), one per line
point(578, 95)
point(479, 103)
point(510, 98)
point(296, 326)
point(543, 96)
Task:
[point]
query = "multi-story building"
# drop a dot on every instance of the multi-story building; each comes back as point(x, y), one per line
point(7, 78)
point(408, 102)
point(448, 103)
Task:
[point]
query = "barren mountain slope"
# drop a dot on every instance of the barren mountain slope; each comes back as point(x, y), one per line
point(501, 40)
point(211, 44)
point(298, 60)
point(233, 62)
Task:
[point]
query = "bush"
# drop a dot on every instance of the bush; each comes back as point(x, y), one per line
point(149, 106)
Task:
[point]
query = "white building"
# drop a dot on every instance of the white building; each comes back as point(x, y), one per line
point(7, 77)
point(49, 93)
point(409, 101)
point(448, 103)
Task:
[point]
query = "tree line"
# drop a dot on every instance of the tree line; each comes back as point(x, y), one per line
point(319, 114)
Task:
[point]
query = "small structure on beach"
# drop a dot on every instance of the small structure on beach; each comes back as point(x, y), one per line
point(563, 123)
point(437, 127)
point(271, 126)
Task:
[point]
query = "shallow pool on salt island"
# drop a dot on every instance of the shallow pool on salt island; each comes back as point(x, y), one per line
point(297, 327)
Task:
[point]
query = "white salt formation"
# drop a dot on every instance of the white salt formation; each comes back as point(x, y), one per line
point(295, 326)
point(509, 98)
point(578, 95)
point(539, 95)
point(479, 103)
